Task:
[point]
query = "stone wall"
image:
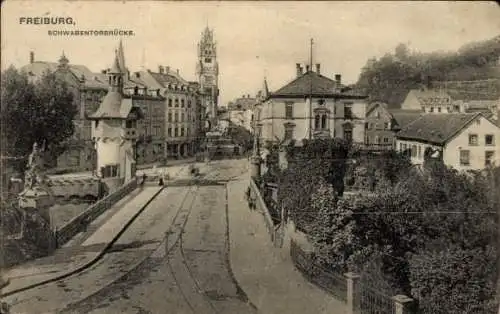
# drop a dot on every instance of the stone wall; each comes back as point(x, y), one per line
point(80, 222)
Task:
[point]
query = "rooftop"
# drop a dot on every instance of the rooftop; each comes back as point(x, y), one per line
point(436, 128)
point(317, 85)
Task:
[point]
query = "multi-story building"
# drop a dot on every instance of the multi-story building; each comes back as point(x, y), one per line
point(430, 101)
point(207, 71)
point(464, 141)
point(383, 123)
point(240, 111)
point(182, 125)
point(88, 90)
point(313, 106)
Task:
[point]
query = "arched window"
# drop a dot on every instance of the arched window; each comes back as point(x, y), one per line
point(323, 121)
point(316, 122)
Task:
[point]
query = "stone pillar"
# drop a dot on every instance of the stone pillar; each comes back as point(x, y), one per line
point(403, 304)
point(353, 295)
point(255, 166)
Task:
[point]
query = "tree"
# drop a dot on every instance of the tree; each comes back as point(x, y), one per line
point(39, 112)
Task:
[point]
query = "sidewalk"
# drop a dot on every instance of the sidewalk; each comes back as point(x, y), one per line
point(84, 247)
point(267, 274)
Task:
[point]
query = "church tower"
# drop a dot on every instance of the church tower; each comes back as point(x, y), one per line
point(114, 131)
point(207, 70)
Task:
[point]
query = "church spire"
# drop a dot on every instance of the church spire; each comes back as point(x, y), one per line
point(121, 59)
point(115, 76)
point(265, 89)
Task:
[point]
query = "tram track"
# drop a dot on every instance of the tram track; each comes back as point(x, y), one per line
point(172, 241)
point(144, 260)
point(107, 249)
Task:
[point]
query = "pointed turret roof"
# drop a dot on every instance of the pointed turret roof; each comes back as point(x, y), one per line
point(116, 65)
point(121, 58)
point(265, 89)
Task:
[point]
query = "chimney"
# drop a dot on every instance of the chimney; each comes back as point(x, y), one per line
point(318, 68)
point(338, 79)
point(248, 96)
point(32, 57)
point(160, 69)
point(299, 69)
point(307, 68)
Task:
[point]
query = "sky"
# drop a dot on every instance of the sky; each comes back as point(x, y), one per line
point(254, 39)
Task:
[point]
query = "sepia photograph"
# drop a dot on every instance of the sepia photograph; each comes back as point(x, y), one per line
point(250, 157)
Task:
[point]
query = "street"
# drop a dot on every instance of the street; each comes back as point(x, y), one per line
point(172, 259)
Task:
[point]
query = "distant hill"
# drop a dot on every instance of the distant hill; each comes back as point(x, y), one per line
point(390, 77)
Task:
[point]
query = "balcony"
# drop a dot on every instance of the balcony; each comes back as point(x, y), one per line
point(321, 133)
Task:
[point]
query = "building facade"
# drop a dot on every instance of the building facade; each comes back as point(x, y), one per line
point(88, 90)
point(241, 111)
point(312, 106)
point(114, 132)
point(430, 101)
point(181, 113)
point(207, 71)
point(465, 141)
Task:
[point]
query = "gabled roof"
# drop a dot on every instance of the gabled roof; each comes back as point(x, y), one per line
point(315, 84)
point(376, 104)
point(113, 106)
point(94, 80)
point(436, 128)
point(404, 117)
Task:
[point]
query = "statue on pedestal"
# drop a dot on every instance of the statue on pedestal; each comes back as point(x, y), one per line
point(32, 175)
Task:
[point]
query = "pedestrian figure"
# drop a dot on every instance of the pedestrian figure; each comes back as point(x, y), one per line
point(161, 182)
point(143, 179)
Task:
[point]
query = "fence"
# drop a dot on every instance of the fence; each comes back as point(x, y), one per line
point(361, 296)
point(335, 284)
point(274, 230)
point(80, 222)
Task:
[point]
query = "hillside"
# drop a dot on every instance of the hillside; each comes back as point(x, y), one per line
point(390, 77)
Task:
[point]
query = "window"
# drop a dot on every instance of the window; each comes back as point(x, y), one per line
point(176, 132)
point(182, 131)
point(182, 103)
point(170, 102)
point(182, 117)
point(176, 102)
point(377, 140)
point(439, 109)
point(129, 124)
point(170, 132)
point(110, 171)
point(414, 151)
point(348, 111)
point(489, 157)
point(289, 110)
point(473, 139)
point(169, 117)
point(288, 133)
point(401, 147)
point(464, 157)
point(456, 108)
point(489, 139)
point(189, 103)
point(419, 151)
point(316, 121)
point(323, 121)
point(208, 60)
point(386, 140)
point(321, 102)
point(157, 130)
point(176, 117)
point(478, 122)
point(386, 126)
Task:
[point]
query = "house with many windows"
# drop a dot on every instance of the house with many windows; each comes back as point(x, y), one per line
point(465, 141)
point(312, 106)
